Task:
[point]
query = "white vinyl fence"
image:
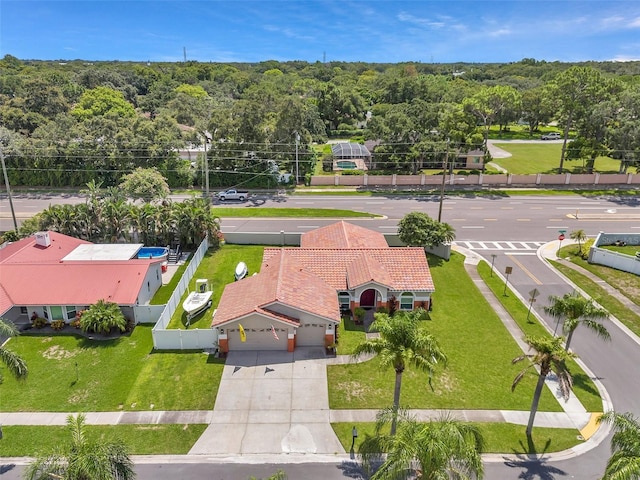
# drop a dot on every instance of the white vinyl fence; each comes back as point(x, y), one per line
point(174, 339)
point(619, 261)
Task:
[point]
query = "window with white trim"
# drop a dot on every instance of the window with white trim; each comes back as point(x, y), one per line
point(406, 301)
point(345, 300)
point(71, 312)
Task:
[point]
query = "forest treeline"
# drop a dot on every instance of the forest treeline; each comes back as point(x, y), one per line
point(66, 123)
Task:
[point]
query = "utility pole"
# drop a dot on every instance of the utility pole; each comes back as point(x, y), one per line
point(206, 166)
point(297, 170)
point(6, 183)
point(444, 175)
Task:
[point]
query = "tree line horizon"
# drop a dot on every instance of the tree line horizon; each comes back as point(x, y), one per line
point(66, 123)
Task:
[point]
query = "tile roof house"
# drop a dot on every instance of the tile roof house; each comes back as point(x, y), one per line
point(56, 276)
point(297, 298)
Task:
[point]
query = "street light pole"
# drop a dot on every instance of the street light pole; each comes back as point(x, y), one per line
point(444, 175)
point(6, 183)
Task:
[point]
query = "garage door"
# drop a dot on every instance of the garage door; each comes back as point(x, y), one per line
point(257, 339)
point(310, 335)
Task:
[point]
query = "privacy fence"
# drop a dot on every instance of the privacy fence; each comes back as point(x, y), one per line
point(498, 180)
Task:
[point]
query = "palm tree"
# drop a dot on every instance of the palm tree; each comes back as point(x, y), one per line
point(14, 363)
point(81, 459)
point(549, 357)
point(579, 236)
point(439, 449)
point(577, 310)
point(402, 342)
point(624, 463)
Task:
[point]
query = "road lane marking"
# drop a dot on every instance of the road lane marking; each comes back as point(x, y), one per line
point(524, 269)
point(472, 226)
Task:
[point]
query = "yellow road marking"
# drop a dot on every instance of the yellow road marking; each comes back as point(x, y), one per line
point(591, 427)
point(524, 269)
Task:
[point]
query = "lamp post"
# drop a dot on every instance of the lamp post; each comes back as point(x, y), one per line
point(444, 176)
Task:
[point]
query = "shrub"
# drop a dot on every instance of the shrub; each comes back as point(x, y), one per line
point(359, 312)
point(586, 246)
point(57, 324)
point(75, 323)
point(39, 322)
point(383, 309)
point(102, 316)
point(393, 305)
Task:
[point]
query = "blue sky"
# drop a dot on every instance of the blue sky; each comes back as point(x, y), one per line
point(371, 31)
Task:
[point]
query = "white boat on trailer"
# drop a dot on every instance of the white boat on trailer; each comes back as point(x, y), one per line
point(241, 271)
point(198, 300)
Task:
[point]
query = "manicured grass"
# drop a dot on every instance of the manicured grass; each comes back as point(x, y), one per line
point(21, 441)
point(218, 266)
point(349, 336)
point(627, 283)
point(531, 158)
point(498, 437)
point(600, 295)
point(262, 212)
point(480, 350)
point(69, 373)
point(163, 294)
point(583, 386)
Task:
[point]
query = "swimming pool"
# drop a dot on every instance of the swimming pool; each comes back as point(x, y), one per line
point(346, 164)
point(153, 252)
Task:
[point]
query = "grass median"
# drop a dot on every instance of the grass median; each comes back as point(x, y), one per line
point(29, 441)
point(583, 386)
point(504, 438)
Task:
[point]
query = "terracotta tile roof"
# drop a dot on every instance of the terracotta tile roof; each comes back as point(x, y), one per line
point(35, 275)
point(405, 268)
point(342, 235)
point(364, 269)
point(283, 281)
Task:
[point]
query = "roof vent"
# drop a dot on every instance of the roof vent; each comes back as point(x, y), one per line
point(43, 239)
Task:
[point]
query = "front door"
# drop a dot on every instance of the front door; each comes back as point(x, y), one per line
point(368, 298)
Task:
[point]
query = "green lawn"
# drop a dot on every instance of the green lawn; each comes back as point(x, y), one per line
point(21, 441)
point(69, 373)
point(260, 212)
point(349, 335)
point(218, 266)
point(599, 294)
point(583, 386)
point(499, 437)
point(531, 158)
point(480, 350)
point(164, 293)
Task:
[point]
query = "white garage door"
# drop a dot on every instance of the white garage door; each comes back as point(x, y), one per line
point(310, 335)
point(257, 339)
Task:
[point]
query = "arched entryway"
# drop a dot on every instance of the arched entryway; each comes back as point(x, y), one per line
point(368, 298)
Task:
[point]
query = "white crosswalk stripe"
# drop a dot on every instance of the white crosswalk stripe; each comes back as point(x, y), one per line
point(500, 245)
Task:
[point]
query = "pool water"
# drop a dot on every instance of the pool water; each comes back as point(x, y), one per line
point(346, 164)
point(153, 252)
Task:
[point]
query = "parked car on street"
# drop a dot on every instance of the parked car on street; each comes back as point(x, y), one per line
point(551, 136)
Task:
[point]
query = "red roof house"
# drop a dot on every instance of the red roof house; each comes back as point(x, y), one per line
point(45, 274)
point(300, 292)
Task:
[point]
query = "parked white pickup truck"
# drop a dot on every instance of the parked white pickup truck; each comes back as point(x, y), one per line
point(233, 194)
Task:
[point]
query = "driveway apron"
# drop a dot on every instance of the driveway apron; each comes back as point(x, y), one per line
point(271, 403)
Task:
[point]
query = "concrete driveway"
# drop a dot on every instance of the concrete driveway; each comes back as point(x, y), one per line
point(271, 403)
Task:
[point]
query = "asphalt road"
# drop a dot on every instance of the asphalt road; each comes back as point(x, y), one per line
point(507, 227)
